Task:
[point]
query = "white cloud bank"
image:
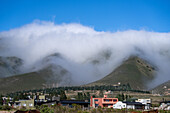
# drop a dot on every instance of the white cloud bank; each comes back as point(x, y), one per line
point(80, 45)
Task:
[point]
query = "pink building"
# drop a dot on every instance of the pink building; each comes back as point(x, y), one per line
point(103, 102)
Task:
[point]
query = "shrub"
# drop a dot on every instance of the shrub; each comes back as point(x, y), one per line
point(6, 107)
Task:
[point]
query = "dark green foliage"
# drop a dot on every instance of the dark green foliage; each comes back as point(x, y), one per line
point(1, 100)
point(46, 109)
point(80, 96)
point(101, 94)
point(88, 95)
point(62, 95)
point(122, 97)
point(83, 96)
point(6, 107)
point(61, 91)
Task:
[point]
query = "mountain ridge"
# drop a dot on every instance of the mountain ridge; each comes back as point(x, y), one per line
point(135, 71)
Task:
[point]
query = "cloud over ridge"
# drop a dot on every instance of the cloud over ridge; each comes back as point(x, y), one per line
point(88, 54)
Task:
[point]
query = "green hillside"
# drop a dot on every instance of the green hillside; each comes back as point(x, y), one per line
point(134, 71)
point(9, 66)
point(44, 78)
point(21, 82)
point(163, 88)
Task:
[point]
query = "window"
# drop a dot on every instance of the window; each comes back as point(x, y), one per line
point(114, 100)
point(106, 100)
point(96, 105)
point(96, 100)
point(24, 104)
point(30, 105)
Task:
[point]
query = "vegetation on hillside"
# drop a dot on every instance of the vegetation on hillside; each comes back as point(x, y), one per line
point(134, 71)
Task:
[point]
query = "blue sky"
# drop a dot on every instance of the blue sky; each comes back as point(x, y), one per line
point(102, 15)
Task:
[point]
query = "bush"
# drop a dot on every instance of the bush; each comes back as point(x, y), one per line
point(6, 107)
point(46, 110)
point(93, 110)
point(0, 107)
point(23, 108)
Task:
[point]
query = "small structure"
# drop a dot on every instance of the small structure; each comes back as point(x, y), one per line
point(25, 103)
point(49, 103)
point(119, 105)
point(43, 98)
point(164, 105)
point(103, 102)
point(146, 102)
point(69, 103)
point(134, 105)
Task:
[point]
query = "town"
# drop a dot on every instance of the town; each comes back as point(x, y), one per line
point(89, 99)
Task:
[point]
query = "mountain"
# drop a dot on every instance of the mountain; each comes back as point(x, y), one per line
point(163, 88)
point(9, 66)
point(44, 78)
point(135, 71)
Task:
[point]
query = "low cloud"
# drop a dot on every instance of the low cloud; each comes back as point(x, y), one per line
point(87, 54)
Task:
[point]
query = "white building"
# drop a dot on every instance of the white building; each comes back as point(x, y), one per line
point(146, 102)
point(164, 105)
point(128, 105)
point(119, 105)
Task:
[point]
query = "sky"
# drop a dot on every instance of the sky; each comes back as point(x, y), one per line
point(83, 31)
point(102, 15)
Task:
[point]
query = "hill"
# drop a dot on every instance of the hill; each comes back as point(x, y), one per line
point(163, 88)
point(44, 78)
point(135, 71)
point(9, 66)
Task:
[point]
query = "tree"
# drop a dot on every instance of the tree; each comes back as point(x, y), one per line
point(1, 100)
point(85, 96)
point(80, 96)
point(120, 97)
point(128, 86)
point(88, 95)
point(123, 97)
point(101, 94)
point(63, 95)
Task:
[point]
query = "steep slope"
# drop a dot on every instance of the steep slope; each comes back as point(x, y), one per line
point(134, 71)
point(44, 78)
point(9, 66)
point(163, 89)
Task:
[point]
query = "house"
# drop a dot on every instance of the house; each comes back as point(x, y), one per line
point(139, 104)
point(69, 103)
point(165, 105)
point(119, 105)
point(146, 102)
point(43, 100)
point(108, 92)
point(134, 105)
point(24, 103)
point(103, 102)
point(49, 103)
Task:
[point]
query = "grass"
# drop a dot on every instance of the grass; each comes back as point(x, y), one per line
point(21, 82)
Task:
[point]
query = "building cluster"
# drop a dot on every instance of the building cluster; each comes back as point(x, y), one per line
point(114, 103)
point(139, 104)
